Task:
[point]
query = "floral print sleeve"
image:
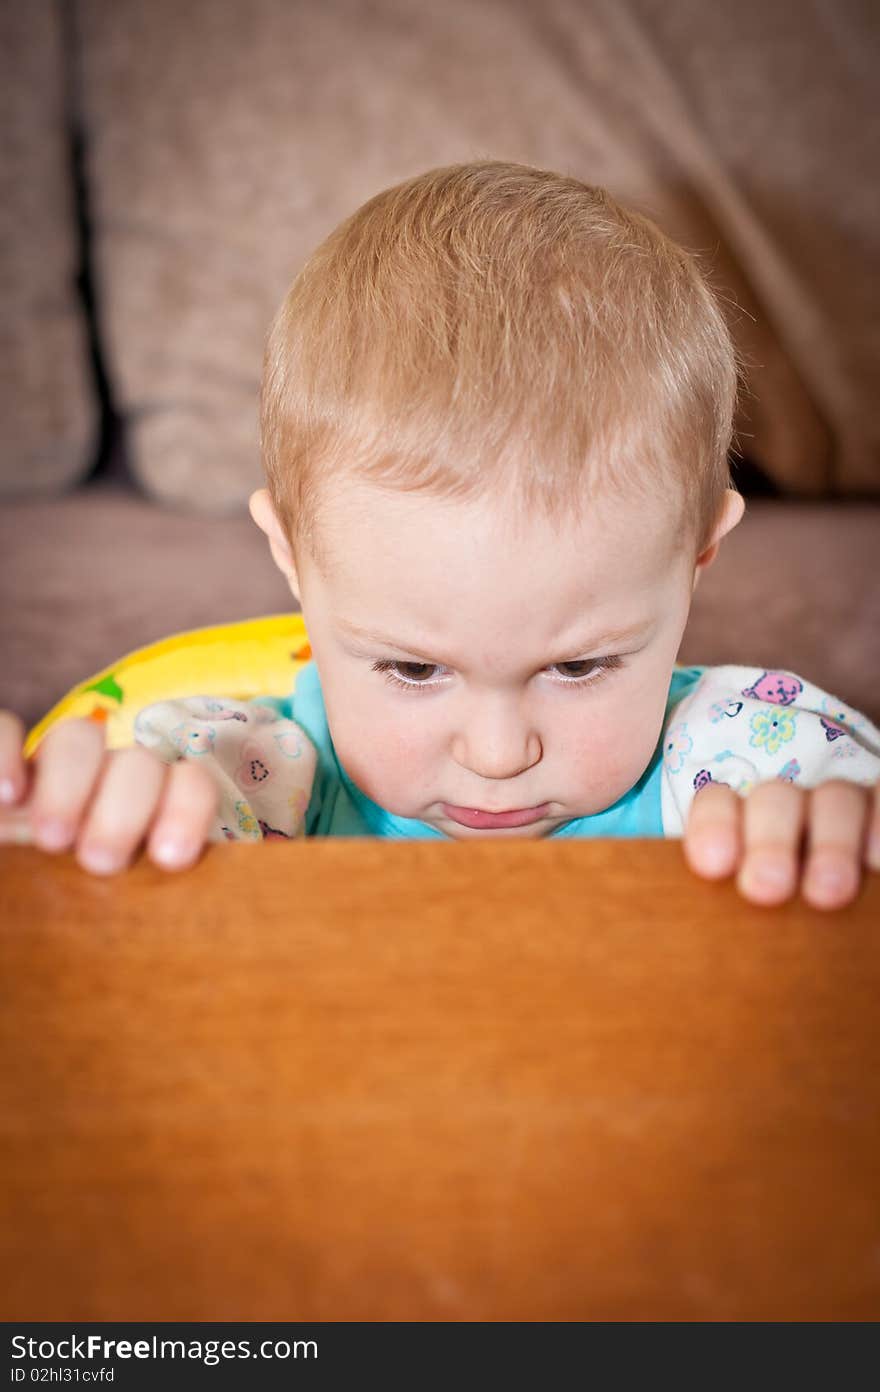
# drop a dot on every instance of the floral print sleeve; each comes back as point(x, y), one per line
point(743, 725)
point(263, 763)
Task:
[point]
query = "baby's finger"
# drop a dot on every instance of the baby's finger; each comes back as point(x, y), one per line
point(773, 823)
point(67, 766)
point(185, 817)
point(712, 836)
point(872, 848)
point(13, 773)
point(836, 827)
point(121, 811)
point(15, 827)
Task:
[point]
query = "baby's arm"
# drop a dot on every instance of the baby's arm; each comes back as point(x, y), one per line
point(76, 794)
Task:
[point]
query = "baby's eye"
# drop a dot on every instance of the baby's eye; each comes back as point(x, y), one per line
point(574, 670)
point(414, 671)
point(586, 670)
point(407, 674)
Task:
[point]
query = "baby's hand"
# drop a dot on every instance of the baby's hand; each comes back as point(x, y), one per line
point(761, 837)
point(74, 792)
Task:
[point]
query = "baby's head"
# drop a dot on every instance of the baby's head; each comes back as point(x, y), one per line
point(496, 414)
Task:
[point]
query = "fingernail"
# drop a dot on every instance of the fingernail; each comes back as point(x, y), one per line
point(716, 857)
point(767, 874)
point(828, 879)
point(172, 853)
point(8, 791)
point(16, 833)
point(53, 835)
point(100, 859)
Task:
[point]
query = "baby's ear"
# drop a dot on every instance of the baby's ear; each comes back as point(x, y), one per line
point(263, 512)
point(731, 513)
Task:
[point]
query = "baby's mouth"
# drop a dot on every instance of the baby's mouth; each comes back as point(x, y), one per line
point(488, 821)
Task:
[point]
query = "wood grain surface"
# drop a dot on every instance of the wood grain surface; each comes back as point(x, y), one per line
point(373, 1080)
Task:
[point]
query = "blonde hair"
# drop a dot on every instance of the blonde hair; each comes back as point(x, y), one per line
point(489, 323)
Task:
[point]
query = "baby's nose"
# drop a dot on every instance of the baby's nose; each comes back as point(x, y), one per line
point(497, 744)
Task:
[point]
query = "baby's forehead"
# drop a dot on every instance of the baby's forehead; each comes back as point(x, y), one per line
point(366, 534)
point(350, 504)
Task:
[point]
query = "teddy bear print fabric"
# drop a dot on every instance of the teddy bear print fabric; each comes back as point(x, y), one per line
point(744, 725)
point(263, 763)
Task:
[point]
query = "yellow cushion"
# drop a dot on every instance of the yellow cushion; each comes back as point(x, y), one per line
point(257, 657)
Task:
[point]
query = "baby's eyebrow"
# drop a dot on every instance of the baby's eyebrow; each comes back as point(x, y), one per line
point(599, 646)
point(382, 640)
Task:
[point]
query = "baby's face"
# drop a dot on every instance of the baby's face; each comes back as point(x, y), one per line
point(477, 661)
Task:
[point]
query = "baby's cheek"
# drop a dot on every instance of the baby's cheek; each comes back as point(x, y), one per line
point(408, 777)
point(387, 767)
point(593, 771)
point(605, 759)
point(632, 748)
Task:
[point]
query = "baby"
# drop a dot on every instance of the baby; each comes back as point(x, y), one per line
point(496, 414)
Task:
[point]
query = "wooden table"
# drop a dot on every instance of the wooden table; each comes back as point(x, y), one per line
point(372, 1080)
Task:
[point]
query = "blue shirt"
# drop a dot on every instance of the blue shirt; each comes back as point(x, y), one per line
point(338, 808)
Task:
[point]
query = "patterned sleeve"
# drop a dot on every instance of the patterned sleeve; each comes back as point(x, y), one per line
point(744, 725)
point(263, 763)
